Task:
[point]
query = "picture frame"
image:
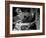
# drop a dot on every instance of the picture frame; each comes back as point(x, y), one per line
point(10, 6)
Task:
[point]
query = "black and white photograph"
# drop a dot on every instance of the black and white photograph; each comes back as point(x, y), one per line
point(26, 18)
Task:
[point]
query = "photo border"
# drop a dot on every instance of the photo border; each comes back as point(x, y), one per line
point(7, 18)
point(27, 6)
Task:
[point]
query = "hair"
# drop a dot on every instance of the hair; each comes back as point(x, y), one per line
point(17, 9)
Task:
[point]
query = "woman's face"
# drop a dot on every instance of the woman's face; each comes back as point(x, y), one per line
point(18, 11)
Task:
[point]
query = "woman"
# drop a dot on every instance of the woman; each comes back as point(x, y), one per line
point(18, 19)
